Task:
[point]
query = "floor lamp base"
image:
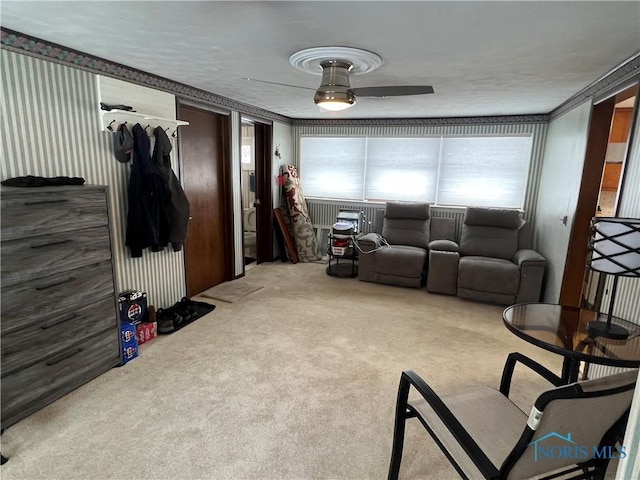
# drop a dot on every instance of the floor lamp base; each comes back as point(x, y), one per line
point(601, 329)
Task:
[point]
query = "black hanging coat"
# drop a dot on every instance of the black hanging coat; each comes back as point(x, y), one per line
point(177, 209)
point(147, 225)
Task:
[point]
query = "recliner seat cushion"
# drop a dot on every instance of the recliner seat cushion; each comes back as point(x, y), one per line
point(488, 275)
point(401, 261)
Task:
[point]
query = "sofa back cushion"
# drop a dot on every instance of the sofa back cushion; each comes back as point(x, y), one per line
point(406, 223)
point(490, 232)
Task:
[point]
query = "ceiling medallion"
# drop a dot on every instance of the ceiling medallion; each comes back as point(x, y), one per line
point(309, 60)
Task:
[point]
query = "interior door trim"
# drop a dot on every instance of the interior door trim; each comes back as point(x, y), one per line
point(227, 179)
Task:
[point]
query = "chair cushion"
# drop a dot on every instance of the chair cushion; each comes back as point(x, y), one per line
point(492, 420)
point(488, 275)
point(401, 261)
point(486, 241)
point(414, 210)
point(406, 231)
point(492, 217)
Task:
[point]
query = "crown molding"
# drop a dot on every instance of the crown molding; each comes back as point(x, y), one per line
point(421, 122)
point(34, 47)
point(620, 74)
point(27, 45)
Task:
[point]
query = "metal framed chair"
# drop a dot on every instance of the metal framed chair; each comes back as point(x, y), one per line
point(572, 431)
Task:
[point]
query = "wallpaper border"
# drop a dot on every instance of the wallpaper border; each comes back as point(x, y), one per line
point(421, 122)
point(27, 45)
point(625, 71)
point(17, 42)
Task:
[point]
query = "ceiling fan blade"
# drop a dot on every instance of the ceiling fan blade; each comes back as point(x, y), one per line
point(392, 91)
point(276, 83)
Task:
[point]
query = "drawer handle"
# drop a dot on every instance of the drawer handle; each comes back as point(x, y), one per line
point(64, 357)
point(43, 202)
point(58, 322)
point(51, 244)
point(71, 279)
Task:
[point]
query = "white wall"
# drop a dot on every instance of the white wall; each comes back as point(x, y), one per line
point(558, 191)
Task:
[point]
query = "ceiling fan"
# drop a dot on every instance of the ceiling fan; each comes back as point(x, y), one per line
point(336, 64)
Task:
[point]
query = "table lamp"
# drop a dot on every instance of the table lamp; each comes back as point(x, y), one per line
point(615, 250)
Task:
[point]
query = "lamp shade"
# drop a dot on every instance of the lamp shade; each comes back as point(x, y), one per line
point(615, 246)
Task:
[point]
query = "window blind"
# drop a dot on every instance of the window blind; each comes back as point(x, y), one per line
point(480, 170)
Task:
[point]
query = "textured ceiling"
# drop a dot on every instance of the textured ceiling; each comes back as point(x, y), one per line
point(482, 58)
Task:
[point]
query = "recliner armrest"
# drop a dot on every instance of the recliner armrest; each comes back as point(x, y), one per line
point(444, 246)
point(528, 257)
point(369, 242)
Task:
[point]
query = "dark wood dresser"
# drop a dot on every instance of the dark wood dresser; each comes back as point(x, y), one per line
point(59, 323)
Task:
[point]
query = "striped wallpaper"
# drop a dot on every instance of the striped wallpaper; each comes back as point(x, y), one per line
point(50, 127)
point(236, 170)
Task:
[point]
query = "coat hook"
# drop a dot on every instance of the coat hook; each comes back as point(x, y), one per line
point(109, 127)
point(147, 127)
point(175, 133)
point(166, 129)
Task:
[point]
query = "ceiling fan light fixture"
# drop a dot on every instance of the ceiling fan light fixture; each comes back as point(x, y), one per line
point(335, 106)
point(335, 93)
point(334, 100)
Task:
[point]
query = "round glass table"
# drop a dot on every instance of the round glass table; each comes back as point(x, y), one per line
point(563, 330)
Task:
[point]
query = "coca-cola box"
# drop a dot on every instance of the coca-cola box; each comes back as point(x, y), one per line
point(132, 306)
point(146, 332)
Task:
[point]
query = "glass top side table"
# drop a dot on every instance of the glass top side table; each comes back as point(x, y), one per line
point(563, 330)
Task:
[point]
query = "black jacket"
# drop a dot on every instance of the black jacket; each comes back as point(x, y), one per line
point(177, 209)
point(147, 225)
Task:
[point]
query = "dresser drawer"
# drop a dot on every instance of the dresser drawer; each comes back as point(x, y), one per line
point(29, 258)
point(49, 297)
point(43, 212)
point(27, 346)
point(34, 387)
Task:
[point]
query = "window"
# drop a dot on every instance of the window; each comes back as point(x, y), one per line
point(334, 167)
point(401, 168)
point(483, 170)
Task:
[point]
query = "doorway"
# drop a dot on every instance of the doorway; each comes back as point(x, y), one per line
point(600, 188)
point(204, 154)
point(257, 191)
point(248, 188)
point(611, 183)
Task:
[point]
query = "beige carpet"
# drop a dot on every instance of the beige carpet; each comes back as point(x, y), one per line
point(297, 381)
point(231, 291)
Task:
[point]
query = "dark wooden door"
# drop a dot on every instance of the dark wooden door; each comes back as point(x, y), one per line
point(264, 195)
point(203, 153)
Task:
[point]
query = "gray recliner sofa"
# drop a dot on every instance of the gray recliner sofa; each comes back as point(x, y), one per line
point(494, 264)
point(396, 252)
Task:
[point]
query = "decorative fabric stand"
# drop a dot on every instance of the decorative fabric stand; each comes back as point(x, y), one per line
point(305, 237)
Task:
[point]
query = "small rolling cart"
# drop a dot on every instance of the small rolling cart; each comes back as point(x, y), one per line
point(343, 254)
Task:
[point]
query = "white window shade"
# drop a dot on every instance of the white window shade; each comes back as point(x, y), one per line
point(333, 167)
point(484, 171)
point(402, 169)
